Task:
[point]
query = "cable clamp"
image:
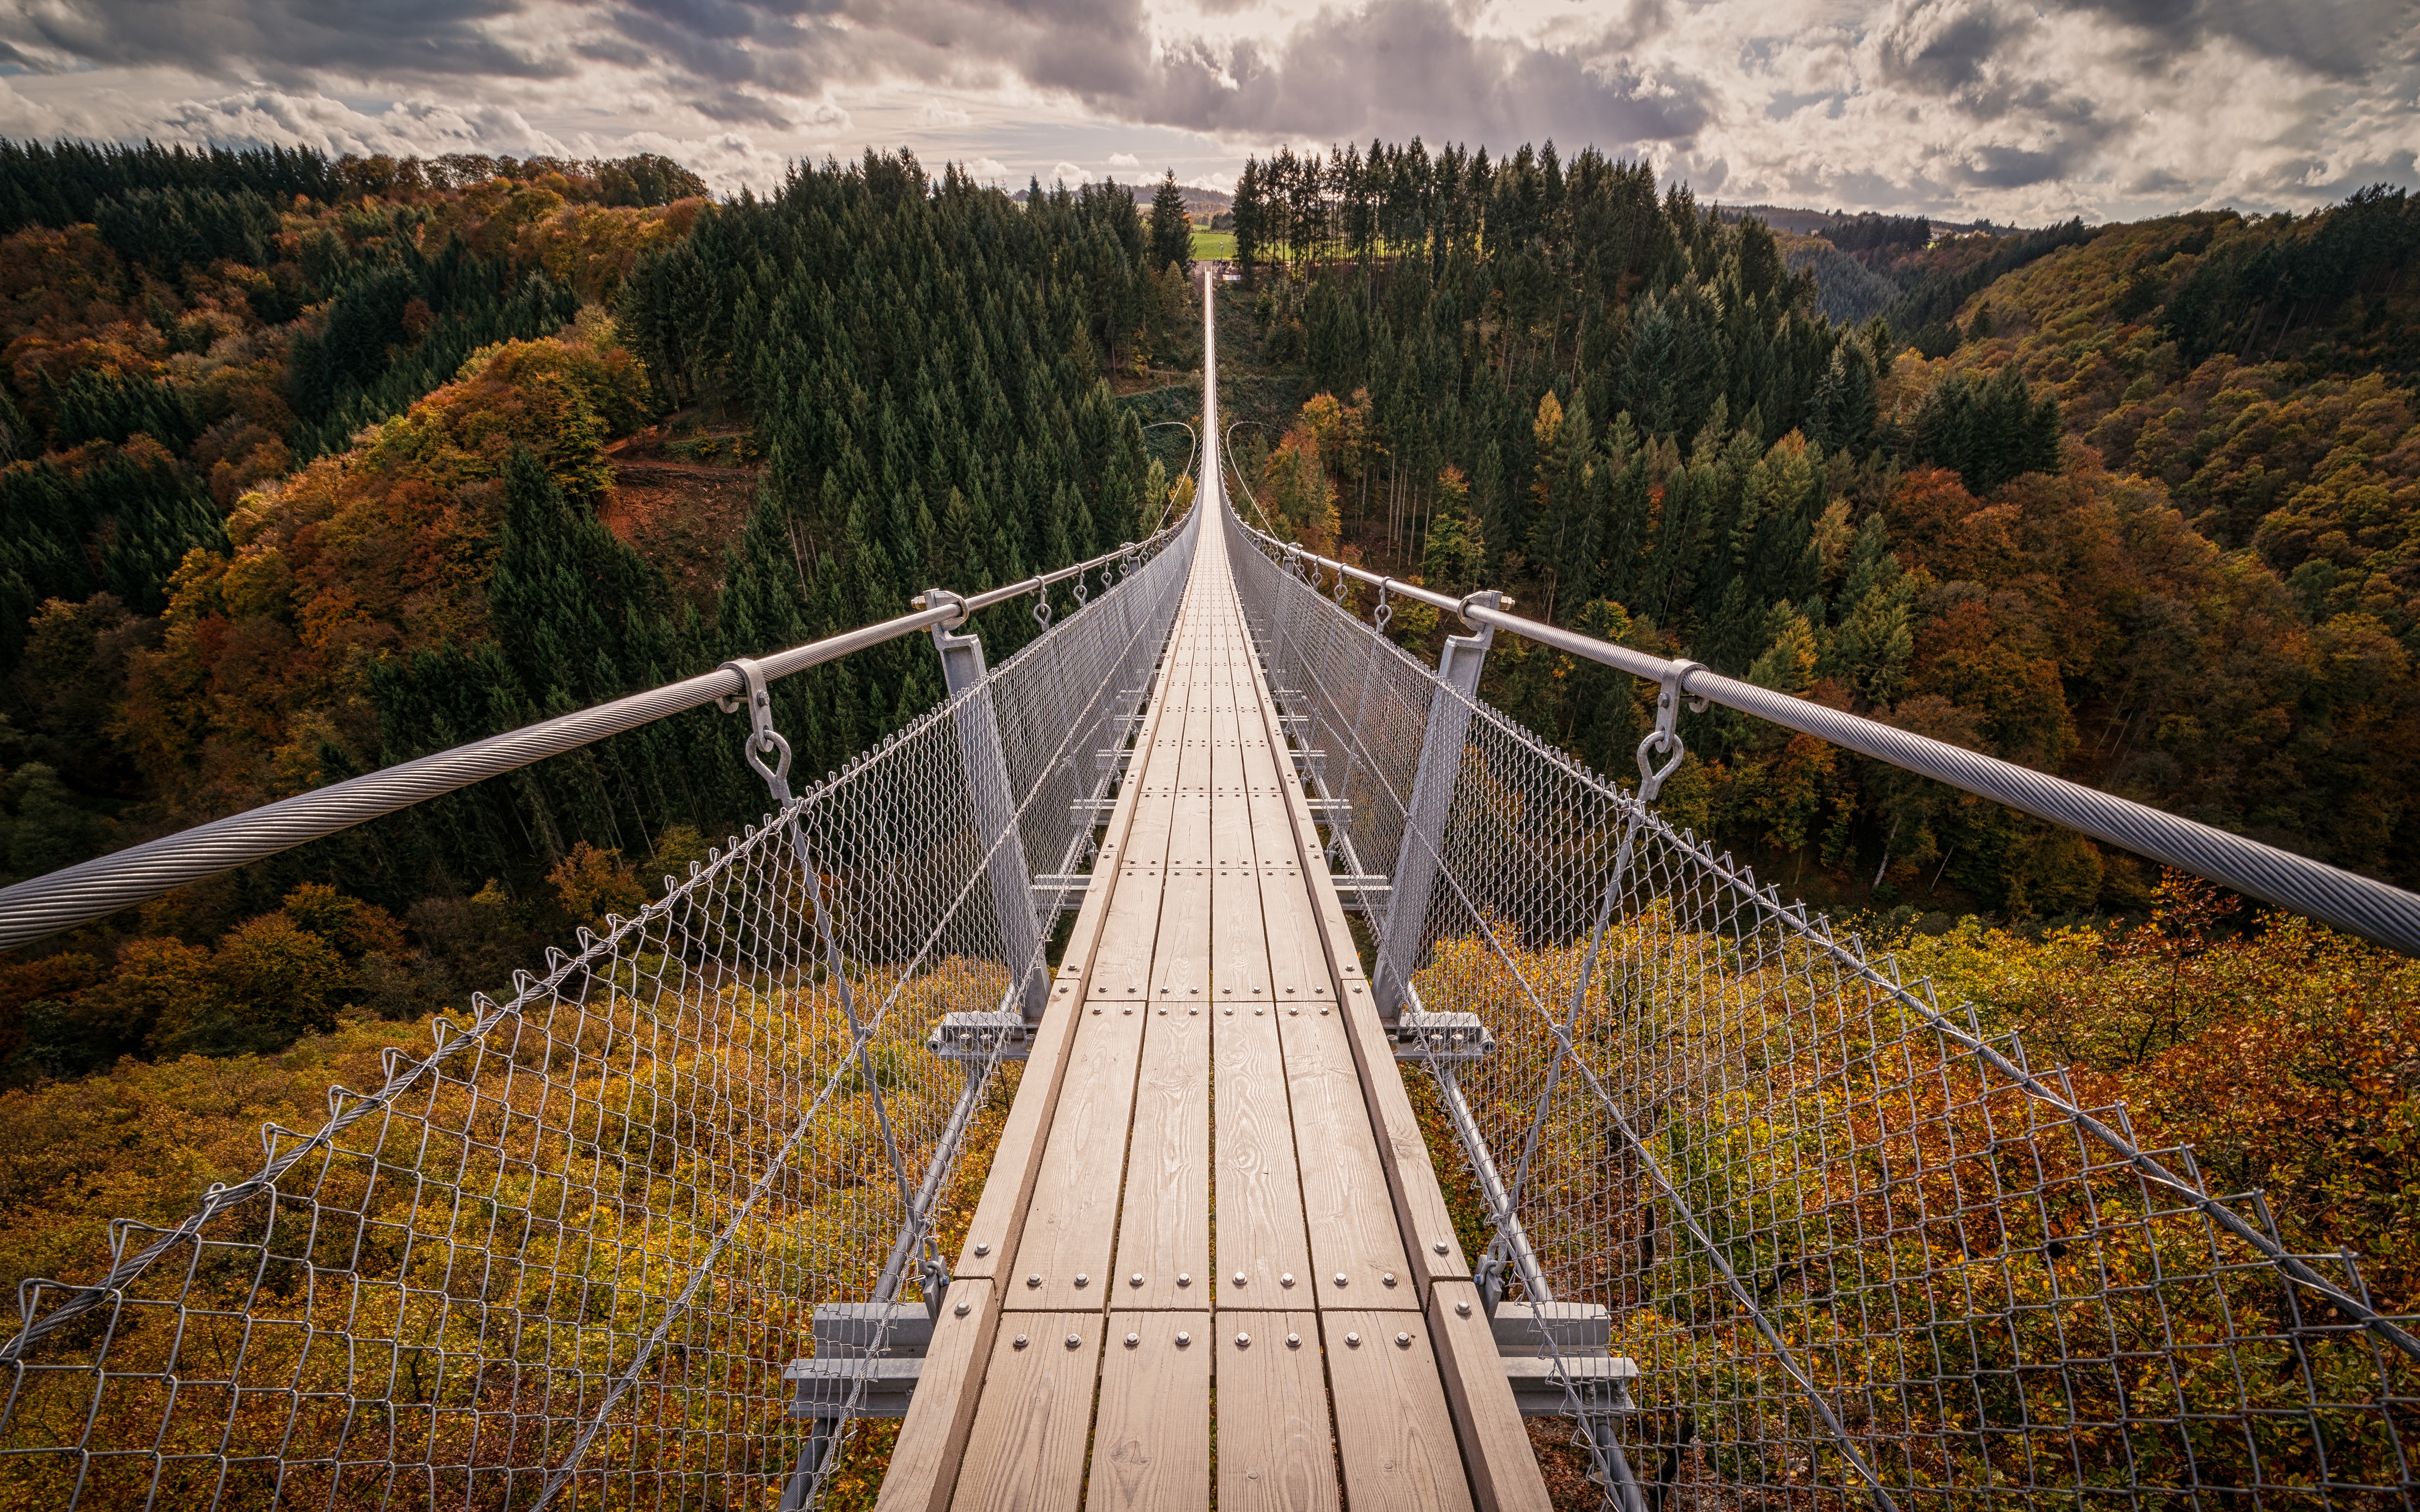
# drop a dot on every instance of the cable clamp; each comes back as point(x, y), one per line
point(935, 597)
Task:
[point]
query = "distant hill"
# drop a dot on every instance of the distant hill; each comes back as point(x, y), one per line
point(1807, 223)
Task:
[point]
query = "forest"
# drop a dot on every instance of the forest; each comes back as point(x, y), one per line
point(306, 485)
point(316, 465)
point(2130, 504)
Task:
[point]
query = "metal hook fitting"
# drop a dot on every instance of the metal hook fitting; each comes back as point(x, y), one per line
point(1665, 737)
point(763, 739)
point(1383, 612)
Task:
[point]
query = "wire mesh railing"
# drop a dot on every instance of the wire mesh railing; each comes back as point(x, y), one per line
point(566, 1257)
point(1851, 1249)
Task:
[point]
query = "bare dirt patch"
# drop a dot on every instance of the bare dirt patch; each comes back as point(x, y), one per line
point(680, 502)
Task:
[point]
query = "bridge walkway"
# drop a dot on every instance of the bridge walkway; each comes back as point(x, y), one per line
point(1211, 1249)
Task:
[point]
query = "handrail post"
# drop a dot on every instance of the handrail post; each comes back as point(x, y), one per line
point(987, 785)
point(1424, 815)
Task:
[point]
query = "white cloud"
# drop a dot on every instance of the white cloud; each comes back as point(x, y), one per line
point(1068, 174)
point(2022, 110)
point(988, 171)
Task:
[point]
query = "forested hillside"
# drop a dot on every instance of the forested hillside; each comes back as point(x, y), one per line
point(2139, 518)
point(338, 482)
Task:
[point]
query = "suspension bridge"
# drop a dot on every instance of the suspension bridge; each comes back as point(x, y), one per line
point(1212, 1057)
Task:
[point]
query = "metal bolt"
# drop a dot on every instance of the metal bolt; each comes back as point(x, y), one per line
point(1354, 1339)
point(1243, 1341)
point(1401, 1340)
point(1081, 1279)
point(1239, 1278)
point(1073, 1339)
point(983, 1249)
point(1034, 1280)
point(1183, 1339)
point(1462, 1309)
point(1020, 1341)
point(1286, 1280)
point(1097, 1012)
point(1440, 1247)
point(1184, 1278)
point(1294, 1341)
point(1388, 1278)
point(1339, 1278)
point(1135, 1280)
point(1133, 1339)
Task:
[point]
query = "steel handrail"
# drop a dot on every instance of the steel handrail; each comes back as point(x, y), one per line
point(2374, 910)
point(44, 906)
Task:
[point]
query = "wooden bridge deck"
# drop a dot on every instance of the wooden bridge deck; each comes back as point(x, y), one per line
point(1211, 1250)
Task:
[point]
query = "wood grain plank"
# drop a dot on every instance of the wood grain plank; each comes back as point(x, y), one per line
point(1502, 1466)
point(1151, 1442)
point(1164, 1224)
point(941, 1416)
point(1257, 1183)
point(1411, 1175)
point(1027, 1451)
point(1392, 1428)
point(1347, 1207)
point(1275, 1454)
point(1121, 954)
point(1063, 1249)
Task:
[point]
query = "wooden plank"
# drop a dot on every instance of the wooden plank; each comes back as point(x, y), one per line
point(1259, 1192)
point(933, 1438)
point(1502, 1466)
point(1392, 1428)
point(1275, 1454)
point(1123, 949)
point(1064, 1248)
point(1150, 1444)
point(1027, 1451)
point(1164, 1224)
point(1017, 1158)
point(930, 1451)
point(1434, 1248)
point(1346, 1205)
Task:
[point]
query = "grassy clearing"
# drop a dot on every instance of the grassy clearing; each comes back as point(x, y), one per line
point(1214, 246)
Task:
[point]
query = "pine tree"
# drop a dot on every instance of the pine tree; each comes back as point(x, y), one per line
point(1171, 229)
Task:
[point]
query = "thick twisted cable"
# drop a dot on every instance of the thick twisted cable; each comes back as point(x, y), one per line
point(92, 890)
point(2357, 904)
point(2376, 911)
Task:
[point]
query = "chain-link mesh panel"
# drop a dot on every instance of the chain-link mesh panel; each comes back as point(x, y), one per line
point(1857, 1250)
point(568, 1255)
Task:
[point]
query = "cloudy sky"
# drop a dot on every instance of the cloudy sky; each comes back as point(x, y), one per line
point(2022, 112)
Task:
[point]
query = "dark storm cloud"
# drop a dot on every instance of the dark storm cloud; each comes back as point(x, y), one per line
point(2012, 168)
point(290, 41)
point(1943, 46)
point(2341, 40)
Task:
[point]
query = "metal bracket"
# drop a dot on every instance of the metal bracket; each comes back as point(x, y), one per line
point(1458, 1038)
point(975, 1037)
point(763, 739)
point(1664, 739)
